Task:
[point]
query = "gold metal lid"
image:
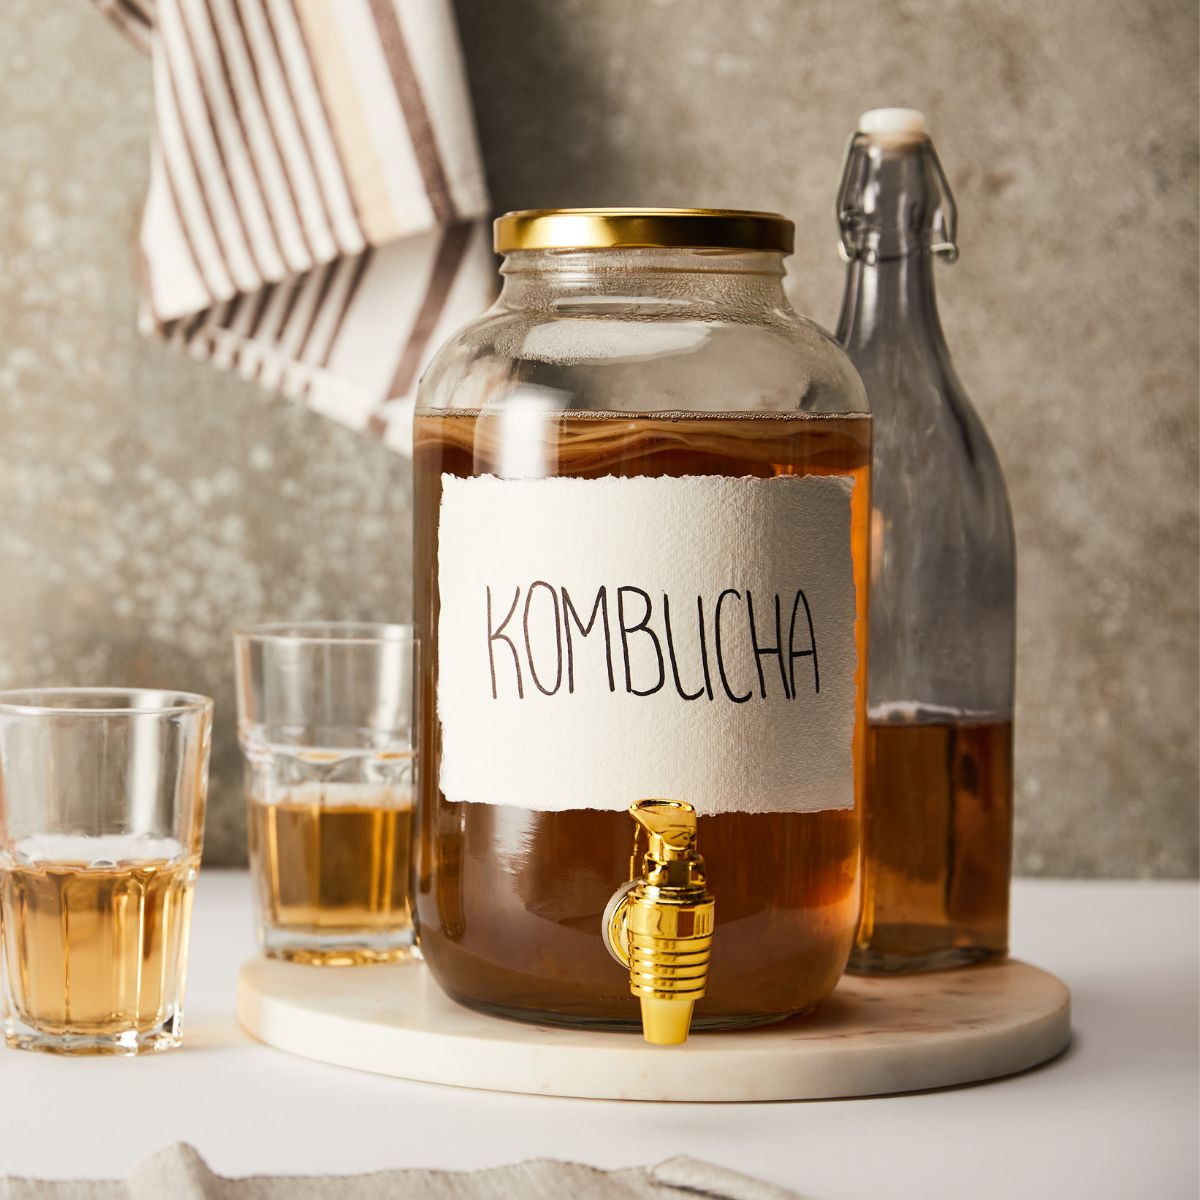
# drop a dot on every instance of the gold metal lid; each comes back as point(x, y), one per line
point(610, 228)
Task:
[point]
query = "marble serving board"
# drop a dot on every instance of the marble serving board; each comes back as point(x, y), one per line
point(874, 1036)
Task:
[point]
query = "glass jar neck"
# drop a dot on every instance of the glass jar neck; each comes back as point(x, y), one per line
point(657, 279)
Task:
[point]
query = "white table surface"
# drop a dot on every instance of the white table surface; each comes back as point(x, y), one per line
point(1116, 1116)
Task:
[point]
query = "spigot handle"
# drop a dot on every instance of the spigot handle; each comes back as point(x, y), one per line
point(670, 827)
point(659, 926)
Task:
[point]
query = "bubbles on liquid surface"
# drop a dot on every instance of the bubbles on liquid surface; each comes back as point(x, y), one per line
point(918, 712)
point(106, 851)
point(398, 795)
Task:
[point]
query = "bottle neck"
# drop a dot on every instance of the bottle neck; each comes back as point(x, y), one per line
point(614, 280)
point(894, 297)
point(896, 214)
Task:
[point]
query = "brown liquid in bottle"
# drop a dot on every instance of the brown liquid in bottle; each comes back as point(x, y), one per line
point(937, 844)
point(509, 901)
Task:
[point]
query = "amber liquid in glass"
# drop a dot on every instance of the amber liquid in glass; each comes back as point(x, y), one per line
point(937, 843)
point(509, 901)
point(333, 863)
point(95, 949)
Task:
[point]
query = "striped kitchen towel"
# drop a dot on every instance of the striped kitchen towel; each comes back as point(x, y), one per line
point(315, 217)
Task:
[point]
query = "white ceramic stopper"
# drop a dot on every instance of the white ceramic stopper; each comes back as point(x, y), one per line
point(909, 121)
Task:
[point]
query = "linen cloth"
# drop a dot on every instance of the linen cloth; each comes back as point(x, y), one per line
point(315, 216)
point(181, 1174)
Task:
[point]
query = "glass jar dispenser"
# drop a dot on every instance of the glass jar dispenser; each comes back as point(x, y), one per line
point(641, 561)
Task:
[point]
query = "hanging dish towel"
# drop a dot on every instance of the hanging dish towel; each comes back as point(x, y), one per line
point(316, 212)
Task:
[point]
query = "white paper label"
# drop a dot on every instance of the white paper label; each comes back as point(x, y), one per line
point(606, 640)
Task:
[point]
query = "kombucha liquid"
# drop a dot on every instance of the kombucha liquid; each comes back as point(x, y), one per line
point(95, 947)
point(333, 864)
point(508, 900)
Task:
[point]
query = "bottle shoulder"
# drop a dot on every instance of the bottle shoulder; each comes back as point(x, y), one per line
point(916, 393)
point(645, 358)
point(931, 446)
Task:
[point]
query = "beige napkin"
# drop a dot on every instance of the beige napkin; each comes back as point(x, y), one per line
point(180, 1173)
point(315, 212)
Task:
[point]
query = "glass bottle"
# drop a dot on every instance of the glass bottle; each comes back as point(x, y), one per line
point(641, 551)
point(938, 804)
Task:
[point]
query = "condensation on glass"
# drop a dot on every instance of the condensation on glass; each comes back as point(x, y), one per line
point(582, 453)
point(938, 805)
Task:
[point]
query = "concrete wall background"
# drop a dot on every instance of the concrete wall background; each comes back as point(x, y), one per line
point(147, 503)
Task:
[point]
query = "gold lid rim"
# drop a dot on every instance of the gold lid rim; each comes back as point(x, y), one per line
point(642, 228)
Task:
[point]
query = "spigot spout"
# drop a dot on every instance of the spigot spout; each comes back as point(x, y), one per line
point(660, 924)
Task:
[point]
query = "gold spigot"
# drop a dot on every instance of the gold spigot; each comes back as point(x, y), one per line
point(660, 924)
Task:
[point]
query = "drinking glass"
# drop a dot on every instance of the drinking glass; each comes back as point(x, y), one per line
point(325, 721)
point(102, 795)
